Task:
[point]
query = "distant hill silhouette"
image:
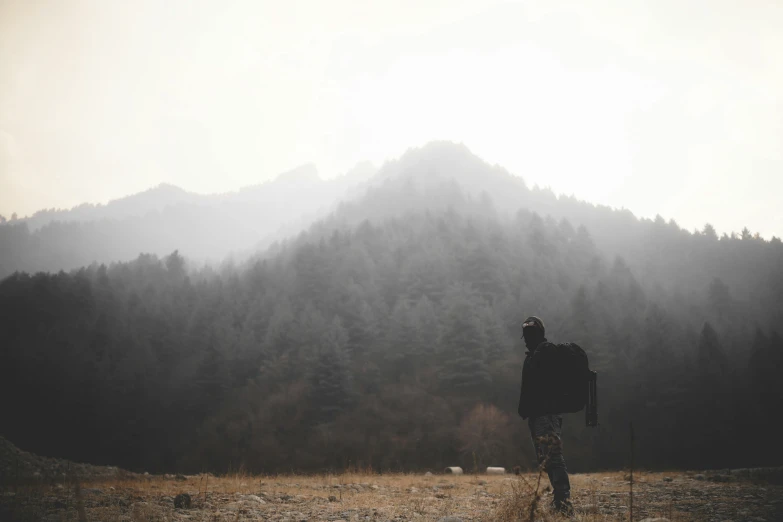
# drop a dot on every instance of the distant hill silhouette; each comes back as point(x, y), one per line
point(167, 218)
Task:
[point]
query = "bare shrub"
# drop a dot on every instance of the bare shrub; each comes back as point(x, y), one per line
point(484, 433)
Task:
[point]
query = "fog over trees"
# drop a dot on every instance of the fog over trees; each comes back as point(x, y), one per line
point(166, 218)
point(387, 333)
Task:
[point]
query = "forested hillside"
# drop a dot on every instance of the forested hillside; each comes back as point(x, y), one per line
point(387, 335)
point(166, 218)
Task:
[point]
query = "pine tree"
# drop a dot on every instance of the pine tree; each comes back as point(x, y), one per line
point(463, 344)
point(711, 358)
point(760, 359)
point(709, 232)
point(362, 329)
point(400, 348)
point(719, 297)
point(427, 326)
point(331, 381)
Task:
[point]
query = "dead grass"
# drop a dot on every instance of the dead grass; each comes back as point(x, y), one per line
point(357, 494)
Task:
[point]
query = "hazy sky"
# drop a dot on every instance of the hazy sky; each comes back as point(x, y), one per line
point(670, 107)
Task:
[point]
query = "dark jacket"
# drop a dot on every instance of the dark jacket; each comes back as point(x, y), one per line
point(537, 395)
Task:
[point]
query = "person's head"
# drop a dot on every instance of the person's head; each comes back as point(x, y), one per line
point(533, 331)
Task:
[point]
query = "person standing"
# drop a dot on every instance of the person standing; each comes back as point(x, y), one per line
point(538, 404)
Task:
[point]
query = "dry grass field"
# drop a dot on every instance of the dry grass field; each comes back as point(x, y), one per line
point(676, 496)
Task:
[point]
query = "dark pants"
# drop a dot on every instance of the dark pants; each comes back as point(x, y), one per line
point(546, 431)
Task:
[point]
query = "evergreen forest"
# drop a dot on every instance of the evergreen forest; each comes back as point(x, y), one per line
point(386, 336)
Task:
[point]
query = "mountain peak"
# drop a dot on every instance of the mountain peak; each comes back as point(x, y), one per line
point(307, 173)
point(439, 161)
point(166, 188)
point(438, 151)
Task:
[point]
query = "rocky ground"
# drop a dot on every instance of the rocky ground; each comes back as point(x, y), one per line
point(95, 493)
point(20, 466)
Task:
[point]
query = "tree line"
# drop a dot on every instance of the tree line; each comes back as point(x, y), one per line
point(393, 343)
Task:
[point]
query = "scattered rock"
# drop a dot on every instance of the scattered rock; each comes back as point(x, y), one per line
point(233, 506)
point(182, 501)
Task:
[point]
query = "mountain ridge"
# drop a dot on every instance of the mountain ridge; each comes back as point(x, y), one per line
point(243, 223)
point(165, 218)
point(166, 194)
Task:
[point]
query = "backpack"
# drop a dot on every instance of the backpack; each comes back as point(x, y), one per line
point(577, 387)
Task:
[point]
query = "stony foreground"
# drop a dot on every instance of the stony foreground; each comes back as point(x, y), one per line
point(679, 496)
